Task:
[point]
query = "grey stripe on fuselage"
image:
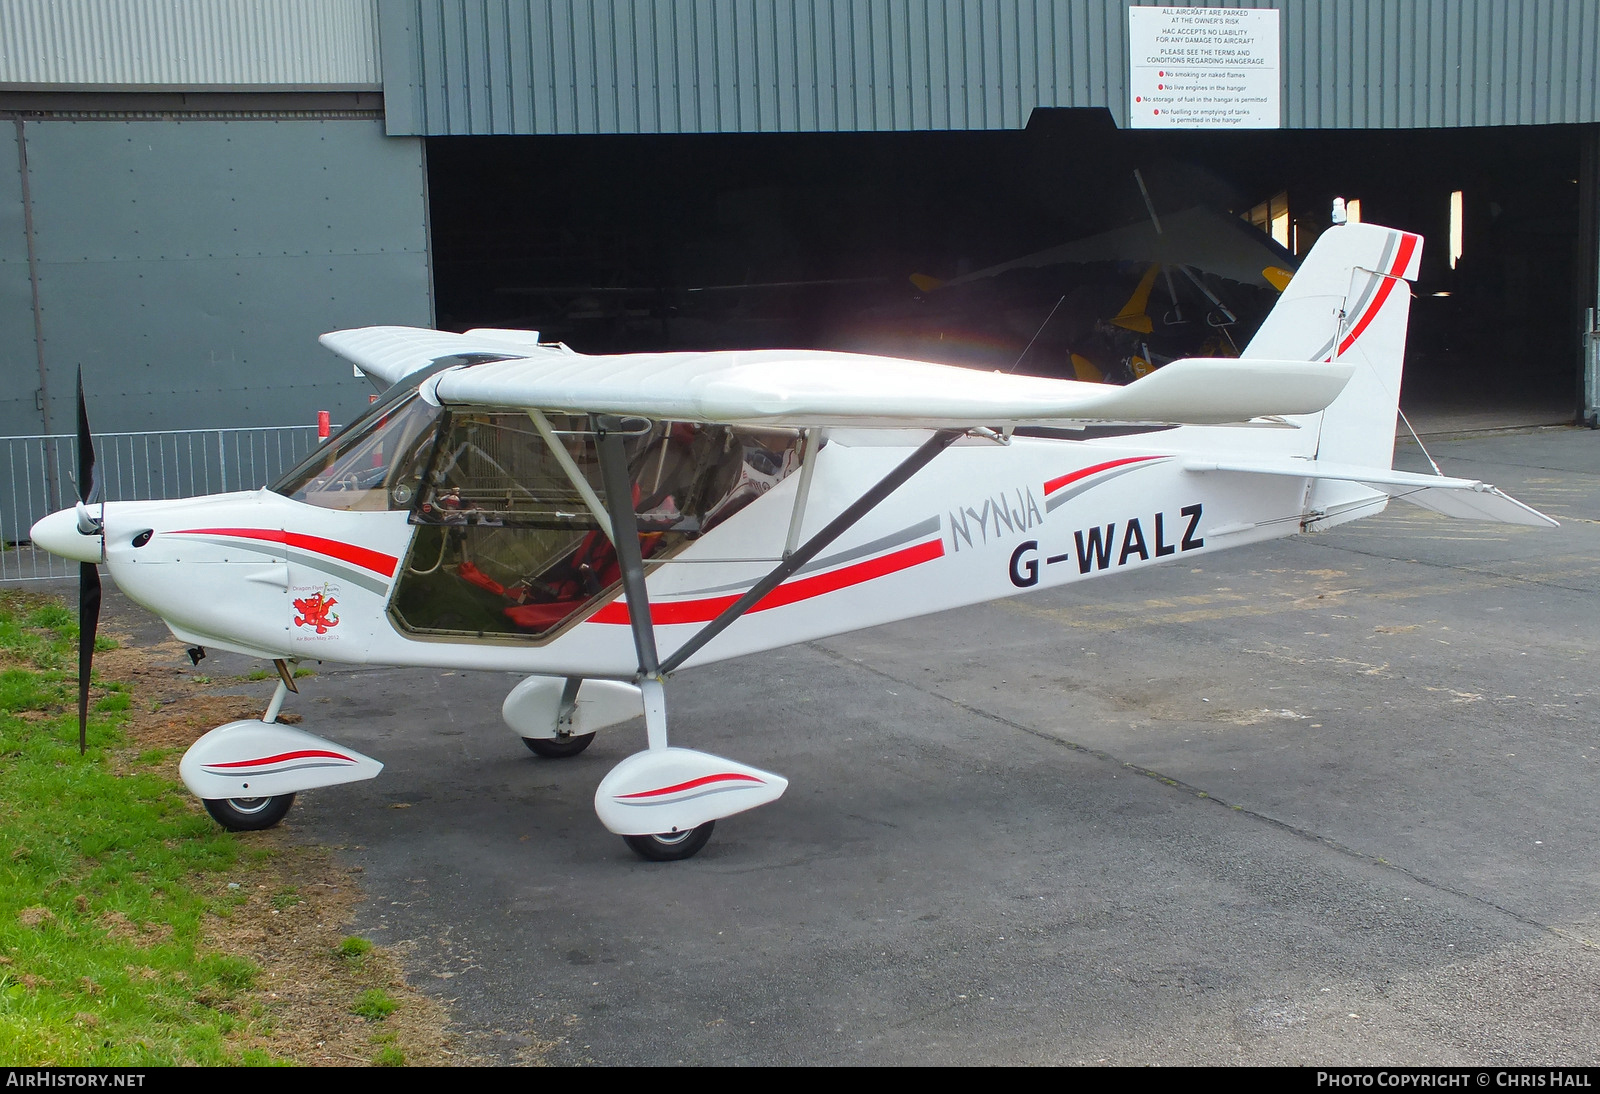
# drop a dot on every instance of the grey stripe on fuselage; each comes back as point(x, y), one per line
point(304, 558)
point(1089, 484)
point(893, 539)
point(355, 577)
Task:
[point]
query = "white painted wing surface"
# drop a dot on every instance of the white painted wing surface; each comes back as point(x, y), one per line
point(392, 353)
point(1471, 499)
point(815, 388)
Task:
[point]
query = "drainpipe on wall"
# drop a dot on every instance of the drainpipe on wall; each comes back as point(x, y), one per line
point(1587, 280)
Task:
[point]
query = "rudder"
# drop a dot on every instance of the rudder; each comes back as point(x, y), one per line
point(1349, 302)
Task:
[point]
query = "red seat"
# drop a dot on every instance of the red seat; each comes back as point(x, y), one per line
point(591, 568)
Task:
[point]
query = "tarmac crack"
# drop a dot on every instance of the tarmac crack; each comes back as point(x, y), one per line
point(1180, 785)
point(1495, 577)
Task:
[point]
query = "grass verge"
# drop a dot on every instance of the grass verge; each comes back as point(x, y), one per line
point(133, 930)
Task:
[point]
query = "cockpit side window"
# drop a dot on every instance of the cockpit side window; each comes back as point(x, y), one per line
point(379, 467)
point(508, 546)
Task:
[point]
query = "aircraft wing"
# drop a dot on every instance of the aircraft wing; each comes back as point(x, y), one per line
point(389, 354)
point(1469, 498)
point(800, 388)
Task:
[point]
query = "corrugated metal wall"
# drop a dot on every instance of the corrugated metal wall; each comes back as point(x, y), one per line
point(189, 43)
point(189, 266)
point(677, 66)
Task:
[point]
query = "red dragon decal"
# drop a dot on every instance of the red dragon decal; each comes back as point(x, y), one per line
point(316, 611)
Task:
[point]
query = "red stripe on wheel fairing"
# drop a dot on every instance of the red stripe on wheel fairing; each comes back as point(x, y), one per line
point(707, 609)
point(310, 753)
point(367, 559)
point(725, 777)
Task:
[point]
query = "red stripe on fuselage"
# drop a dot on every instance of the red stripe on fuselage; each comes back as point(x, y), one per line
point(367, 559)
point(705, 610)
point(729, 776)
point(310, 753)
point(1408, 244)
point(1067, 480)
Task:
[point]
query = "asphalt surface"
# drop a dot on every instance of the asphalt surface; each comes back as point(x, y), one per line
point(1330, 800)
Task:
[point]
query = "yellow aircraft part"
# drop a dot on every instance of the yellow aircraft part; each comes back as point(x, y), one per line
point(1278, 277)
point(924, 283)
point(1084, 369)
point(1140, 367)
point(1132, 316)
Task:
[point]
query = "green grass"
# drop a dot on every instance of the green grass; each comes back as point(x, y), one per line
point(354, 947)
point(103, 879)
point(374, 1004)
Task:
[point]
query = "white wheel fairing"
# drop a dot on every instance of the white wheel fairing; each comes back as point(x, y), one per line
point(533, 707)
point(667, 790)
point(254, 759)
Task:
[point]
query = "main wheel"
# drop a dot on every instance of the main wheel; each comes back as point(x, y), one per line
point(248, 814)
point(556, 748)
point(671, 846)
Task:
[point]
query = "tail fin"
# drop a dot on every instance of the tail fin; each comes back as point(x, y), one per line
point(1349, 301)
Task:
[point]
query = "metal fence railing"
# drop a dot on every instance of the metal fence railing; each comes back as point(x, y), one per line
point(37, 477)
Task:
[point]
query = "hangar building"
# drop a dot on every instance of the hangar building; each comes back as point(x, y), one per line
point(201, 187)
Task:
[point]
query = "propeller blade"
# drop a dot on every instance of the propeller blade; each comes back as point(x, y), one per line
point(88, 625)
point(88, 484)
point(88, 572)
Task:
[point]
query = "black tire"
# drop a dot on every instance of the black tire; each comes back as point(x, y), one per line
point(557, 748)
point(671, 846)
point(248, 814)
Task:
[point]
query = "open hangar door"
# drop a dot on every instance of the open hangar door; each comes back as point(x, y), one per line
point(619, 243)
point(1508, 269)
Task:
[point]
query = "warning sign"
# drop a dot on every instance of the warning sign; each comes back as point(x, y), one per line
point(1203, 68)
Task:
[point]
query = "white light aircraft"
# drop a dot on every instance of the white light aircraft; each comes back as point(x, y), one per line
point(600, 522)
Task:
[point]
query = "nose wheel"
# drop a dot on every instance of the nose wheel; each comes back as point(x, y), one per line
point(249, 814)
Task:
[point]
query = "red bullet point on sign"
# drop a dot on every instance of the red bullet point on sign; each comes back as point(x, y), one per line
point(1138, 98)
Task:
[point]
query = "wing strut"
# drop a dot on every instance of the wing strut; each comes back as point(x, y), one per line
point(813, 546)
point(625, 538)
point(619, 503)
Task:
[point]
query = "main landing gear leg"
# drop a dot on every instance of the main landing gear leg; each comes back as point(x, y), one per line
point(675, 843)
point(679, 792)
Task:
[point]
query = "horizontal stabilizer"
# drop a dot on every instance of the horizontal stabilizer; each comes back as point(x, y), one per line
point(1468, 498)
point(821, 388)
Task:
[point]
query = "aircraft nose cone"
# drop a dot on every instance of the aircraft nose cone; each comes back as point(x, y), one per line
point(58, 533)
